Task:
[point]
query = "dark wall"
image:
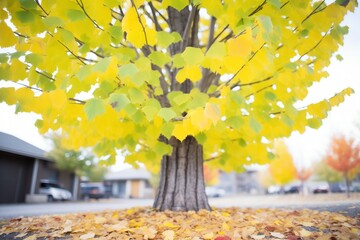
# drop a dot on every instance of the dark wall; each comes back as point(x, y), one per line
point(47, 170)
point(15, 177)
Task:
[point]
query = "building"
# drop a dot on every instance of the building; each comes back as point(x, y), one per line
point(238, 183)
point(22, 166)
point(129, 183)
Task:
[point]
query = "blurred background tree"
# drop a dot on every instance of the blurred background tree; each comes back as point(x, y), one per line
point(282, 168)
point(344, 156)
point(82, 162)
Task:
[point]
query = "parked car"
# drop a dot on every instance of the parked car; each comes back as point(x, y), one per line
point(93, 190)
point(291, 189)
point(54, 191)
point(214, 192)
point(321, 188)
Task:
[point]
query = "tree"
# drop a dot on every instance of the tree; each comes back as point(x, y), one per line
point(82, 163)
point(282, 168)
point(323, 172)
point(175, 80)
point(344, 156)
point(303, 174)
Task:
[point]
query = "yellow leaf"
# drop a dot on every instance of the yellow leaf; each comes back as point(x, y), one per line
point(209, 235)
point(192, 73)
point(100, 220)
point(168, 235)
point(119, 226)
point(169, 224)
point(7, 37)
point(212, 111)
point(277, 235)
point(179, 132)
point(133, 28)
point(87, 236)
point(149, 233)
point(305, 233)
point(199, 120)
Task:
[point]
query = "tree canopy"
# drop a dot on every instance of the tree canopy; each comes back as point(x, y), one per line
point(117, 75)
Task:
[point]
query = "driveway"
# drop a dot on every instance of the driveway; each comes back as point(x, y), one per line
point(326, 202)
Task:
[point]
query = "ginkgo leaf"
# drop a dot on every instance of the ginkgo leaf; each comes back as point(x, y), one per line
point(133, 28)
point(7, 37)
point(212, 111)
point(167, 114)
point(94, 107)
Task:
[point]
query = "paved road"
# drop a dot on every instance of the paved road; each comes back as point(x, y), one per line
point(334, 203)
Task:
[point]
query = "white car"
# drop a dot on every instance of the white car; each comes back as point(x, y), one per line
point(214, 192)
point(54, 191)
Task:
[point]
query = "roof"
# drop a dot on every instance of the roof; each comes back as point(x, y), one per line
point(11, 144)
point(128, 174)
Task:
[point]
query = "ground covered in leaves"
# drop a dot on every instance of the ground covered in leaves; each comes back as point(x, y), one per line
point(219, 224)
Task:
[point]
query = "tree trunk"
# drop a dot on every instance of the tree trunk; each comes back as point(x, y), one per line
point(181, 186)
point(347, 181)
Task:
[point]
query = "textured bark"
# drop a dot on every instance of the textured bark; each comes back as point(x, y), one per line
point(181, 186)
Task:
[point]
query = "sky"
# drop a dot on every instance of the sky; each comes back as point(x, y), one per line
point(305, 148)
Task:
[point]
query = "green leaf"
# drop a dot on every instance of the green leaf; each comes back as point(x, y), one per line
point(217, 50)
point(118, 101)
point(275, 3)
point(25, 16)
point(339, 57)
point(167, 129)
point(104, 89)
point(117, 33)
point(159, 58)
point(236, 97)
point(255, 125)
point(94, 107)
point(4, 57)
point(45, 83)
point(53, 22)
point(181, 98)
point(314, 123)
point(343, 3)
point(287, 120)
point(235, 122)
point(167, 114)
point(28, 4)
point(270, 96)
point(75, 15)
point(151, 108)
point(127, 70)
point(34, 59)
point(201, 138)
point(165, 39)
point(136, 96)
point(84, 72)
point(304, 33)
point(193, 56)
point(102, 65)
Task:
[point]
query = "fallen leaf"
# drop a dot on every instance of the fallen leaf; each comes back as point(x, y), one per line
point(119, 226)
point(305, 233)
point(32, 237)
point(87, 236)
point(256, 237)
point(209, 235)
point(168, 235)
point(277, 235)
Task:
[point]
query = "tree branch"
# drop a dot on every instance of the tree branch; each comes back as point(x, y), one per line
point(211, 33)
point(71, 52)
point(81, 5)
point(41, 7)
point(259, 8)
point(156, 22)
point(260, 90)
point(187, 29)
point(142, 25)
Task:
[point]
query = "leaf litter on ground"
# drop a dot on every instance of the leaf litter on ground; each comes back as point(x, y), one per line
point(219, 224)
